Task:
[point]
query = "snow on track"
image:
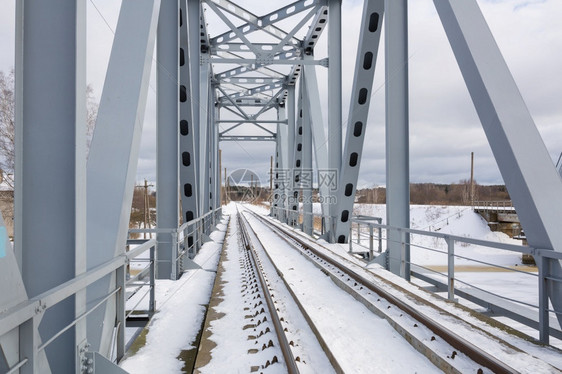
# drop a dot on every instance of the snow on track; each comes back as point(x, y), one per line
point(361, 341)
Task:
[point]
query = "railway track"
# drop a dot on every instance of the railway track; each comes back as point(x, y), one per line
point(284, 345)
point(448, 350)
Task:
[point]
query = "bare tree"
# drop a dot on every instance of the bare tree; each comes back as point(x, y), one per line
point(7, 120)
point(92, 115)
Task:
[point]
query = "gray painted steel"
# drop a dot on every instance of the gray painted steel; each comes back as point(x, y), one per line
point(307, 174)
point(167, 135)
point(194, 25)
point(525, 165)
point(120, 117)
point(50, 113)
point(283, 142)
point(371, 29)
point(52, 123)
point(12, 292)
point(334, 94)
point(296, 168)
point(397, 132)
point(187, 155)
point(204, 117)
point(318, 133)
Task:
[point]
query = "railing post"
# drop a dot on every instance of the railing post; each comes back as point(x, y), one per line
point(152, 300)
point(450, 268)
point(173, 275)
point(370, 242)
point(120, 279)
point(28, 345)
point(380, 238)
point(543, 299)
point(350, 241)
point(358, 233)
point(404, 273)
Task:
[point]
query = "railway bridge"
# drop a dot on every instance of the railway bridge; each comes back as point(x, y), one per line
point(66, 283)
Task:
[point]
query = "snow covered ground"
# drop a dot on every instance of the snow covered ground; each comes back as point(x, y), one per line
point(181, 310)
point(454, 220)
point(181, 304)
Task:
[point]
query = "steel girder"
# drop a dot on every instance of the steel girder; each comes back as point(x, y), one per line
point(334, 97)
point(397, 134)
point(195, 27)
point(188, 156)
point(51, 106)
point(283, 142)
point(167, 136)
point(204, 108)
point(265, 23)
point(318, 134)
point(307, 173)
point(523, 160)
point(247, 138)
point(123, 103)
point(297, 165)
point(371, 29)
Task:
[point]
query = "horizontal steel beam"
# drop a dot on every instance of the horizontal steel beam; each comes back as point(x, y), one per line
point(248, 121)
point(265, 61)
point(249, 80)
point(241, 47)
point(232, 138)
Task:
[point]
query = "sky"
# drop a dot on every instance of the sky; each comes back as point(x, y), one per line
point(444, 127)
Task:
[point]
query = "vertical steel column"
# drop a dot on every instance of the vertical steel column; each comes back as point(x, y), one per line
point(334, 95)
point(213, 156)
point(194, 46)
point(218, 160)
point(167, 146)
point(188, 179)
point(397, 131)
point(284, 164)
point(276, 198)
point(204, 114)
point(296, 150)
point(289, 146)
point(51, 129)
point(319, 140)
point(307, 174)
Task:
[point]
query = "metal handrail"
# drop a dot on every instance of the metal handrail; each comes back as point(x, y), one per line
point(541, 255)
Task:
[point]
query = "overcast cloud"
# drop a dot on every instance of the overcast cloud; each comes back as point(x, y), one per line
point(444, 127)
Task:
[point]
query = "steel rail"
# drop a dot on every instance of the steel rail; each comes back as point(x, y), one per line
point(331, 357)
point(473, 352)
point(281, 337)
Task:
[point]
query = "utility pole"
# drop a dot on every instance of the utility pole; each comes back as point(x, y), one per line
point(220, 176)
point(252, 185)
point(146, 206)
point(225, 188)
point(472, 179)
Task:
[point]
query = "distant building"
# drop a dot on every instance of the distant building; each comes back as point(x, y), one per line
point(7, 201)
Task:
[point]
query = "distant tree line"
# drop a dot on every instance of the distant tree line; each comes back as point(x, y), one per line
point(420, 193)
point(438, 194)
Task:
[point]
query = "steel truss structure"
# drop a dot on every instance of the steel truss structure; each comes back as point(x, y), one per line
point(254, 81)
